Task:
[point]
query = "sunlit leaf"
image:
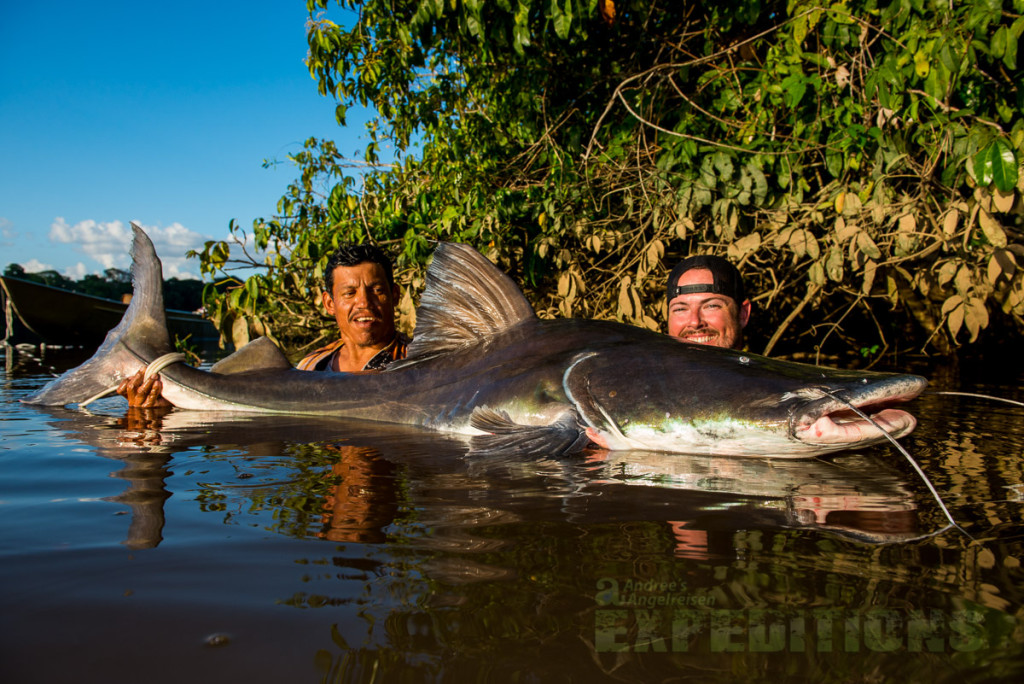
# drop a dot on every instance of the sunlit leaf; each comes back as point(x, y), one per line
point(994, 270)
point(950, 221)
point(845, 230)
point(1004, 165)
point(962, 281)
point(834, 264)
point(993, 231)
point(953, 309)
point(655, 251)
point(745, 245)
point(1002, 200)
point(239, 332)
point(867, 246)
point(816, 273)
point(840, 202)
point(922, 65)
point(625, 302)
point(892, 291)
point(1004, 261)
point(562, 18)
point(975, 317)
point(981, 167)
point(803, 243)
point(870, 269)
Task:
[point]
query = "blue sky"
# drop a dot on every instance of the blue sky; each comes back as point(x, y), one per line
point(159, 113)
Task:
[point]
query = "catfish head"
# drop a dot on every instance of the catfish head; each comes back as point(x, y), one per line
point(678, 396)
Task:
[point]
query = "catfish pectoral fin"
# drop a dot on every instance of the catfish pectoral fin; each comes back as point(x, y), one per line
point(559, 438)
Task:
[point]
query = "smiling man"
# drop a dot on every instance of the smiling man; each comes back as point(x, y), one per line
point(360, 293)
point(706, 303)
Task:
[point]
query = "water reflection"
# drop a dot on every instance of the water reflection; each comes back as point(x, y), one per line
point(360, 484)
point(858, 495)
point(146, 473)
point(136, 440)
point(364, 500)
point(406, 558)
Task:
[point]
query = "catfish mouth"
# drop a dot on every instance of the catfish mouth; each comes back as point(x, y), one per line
point(831, 421)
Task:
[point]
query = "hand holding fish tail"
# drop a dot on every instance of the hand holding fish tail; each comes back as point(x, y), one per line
point(142, 392)
point(144, 389)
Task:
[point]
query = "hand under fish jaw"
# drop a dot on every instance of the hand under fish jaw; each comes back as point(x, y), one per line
point(846, 427)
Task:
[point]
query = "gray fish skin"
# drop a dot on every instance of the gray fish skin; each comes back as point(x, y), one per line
point(482, 364)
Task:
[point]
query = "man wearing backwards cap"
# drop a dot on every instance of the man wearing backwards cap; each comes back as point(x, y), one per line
point(706, 303)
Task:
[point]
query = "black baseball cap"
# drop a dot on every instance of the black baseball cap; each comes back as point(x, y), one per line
point(726, 277)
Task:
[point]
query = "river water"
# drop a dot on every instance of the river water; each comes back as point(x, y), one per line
point(210, 548)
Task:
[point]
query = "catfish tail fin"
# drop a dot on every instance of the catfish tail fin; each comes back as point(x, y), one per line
point(140, 337)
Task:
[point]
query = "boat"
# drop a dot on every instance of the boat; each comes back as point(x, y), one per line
point(40, 314)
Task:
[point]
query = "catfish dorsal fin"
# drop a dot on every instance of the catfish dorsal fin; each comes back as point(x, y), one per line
point(259, 355)
point(467, 299)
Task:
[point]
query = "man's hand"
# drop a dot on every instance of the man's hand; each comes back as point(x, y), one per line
point(142, 393)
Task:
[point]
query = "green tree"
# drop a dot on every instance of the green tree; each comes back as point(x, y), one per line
point(185, 295)
point(48, 277)
point(858, 159)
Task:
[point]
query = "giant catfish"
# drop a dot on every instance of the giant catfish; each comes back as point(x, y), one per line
point(484, 365)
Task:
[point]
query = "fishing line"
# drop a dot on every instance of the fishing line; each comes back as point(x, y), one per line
point(909, 458)
point(1012, 402)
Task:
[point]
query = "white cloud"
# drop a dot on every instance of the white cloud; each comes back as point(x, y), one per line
point(109, 244)
point(76, 272)
point(36, 266)
point(7, 233)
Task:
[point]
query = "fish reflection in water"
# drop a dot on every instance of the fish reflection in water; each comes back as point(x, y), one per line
point(359, 490)
point(856, 495)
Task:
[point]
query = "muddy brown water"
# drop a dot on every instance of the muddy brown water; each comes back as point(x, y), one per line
point(203, 547)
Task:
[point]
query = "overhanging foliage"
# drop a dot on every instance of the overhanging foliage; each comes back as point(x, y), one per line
point(858, 160)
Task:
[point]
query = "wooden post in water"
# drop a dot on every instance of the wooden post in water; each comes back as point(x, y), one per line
point(8, 317)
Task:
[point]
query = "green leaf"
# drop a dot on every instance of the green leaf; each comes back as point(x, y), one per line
point(834, 159)
point(981, 169)
point(521, 29)
point(922, 64)
point(795, 85)
point(997, 48)
point(723, 165)
point(1004, 165)
point(800, 29)
point(562, 19)
point(1010, 56)
point(474, 25)
point(949, 59)
point(936, 83)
